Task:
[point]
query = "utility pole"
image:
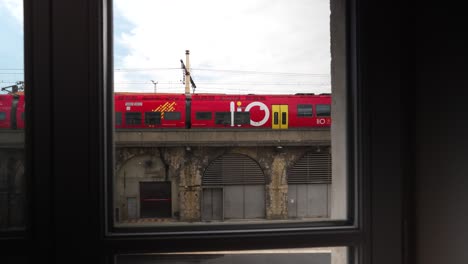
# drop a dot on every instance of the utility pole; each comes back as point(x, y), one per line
point(188, 78)
point(154, 85)
point(187, 72)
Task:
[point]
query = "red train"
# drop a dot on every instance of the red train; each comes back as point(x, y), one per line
point(197, 111)
point(12, 111)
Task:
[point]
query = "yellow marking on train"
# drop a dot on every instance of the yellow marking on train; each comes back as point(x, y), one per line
point(166, 107)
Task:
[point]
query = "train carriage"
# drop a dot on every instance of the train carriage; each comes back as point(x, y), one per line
point(12, 111)
point(141, 110)
point(260, 111)
point(199, 111)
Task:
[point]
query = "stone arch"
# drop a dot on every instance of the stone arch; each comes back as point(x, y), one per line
point(133, 176)
point(233, 188)
point(309, 182)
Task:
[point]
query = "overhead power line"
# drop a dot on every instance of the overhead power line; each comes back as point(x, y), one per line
point(262, 72)
point(193, 69)
point(142, 69)
point(223, 70)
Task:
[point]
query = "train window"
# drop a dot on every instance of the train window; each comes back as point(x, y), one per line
point(2, 115)
point(241, 118)
point(304, 110)
point(153, 118)
point(223, 118)
point(323, 110)
point(284, 119)
point(133, 118)
point(276, 118)
point(172, 115)
point(118, 118)
point(203, 116)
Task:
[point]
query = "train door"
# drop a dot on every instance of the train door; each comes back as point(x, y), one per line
point(280, 117)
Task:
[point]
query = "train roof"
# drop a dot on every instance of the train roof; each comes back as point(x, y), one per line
point(212, 96)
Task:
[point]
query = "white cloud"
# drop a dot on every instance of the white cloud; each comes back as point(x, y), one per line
point(284, 36)
point(15, 7)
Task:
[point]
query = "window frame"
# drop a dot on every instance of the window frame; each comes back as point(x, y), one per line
point(352, 226)
point(76, 227)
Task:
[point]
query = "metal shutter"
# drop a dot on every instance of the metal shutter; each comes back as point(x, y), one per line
point(233, 169)
point(314, 167)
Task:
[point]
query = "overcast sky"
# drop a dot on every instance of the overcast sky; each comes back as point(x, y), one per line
point(242, 46)
point(11, 47)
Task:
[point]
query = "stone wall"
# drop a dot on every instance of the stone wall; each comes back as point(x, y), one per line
point(12, 189)
point(184, 168)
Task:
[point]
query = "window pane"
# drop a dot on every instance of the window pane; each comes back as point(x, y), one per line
point(260, 67)
point(12, 123)
point(241, 118)
point(118, 118)
point(323, 110)
point(203, 115)
point(337, 255)
point(133, 118)
point(153, 118)
point(222, 118)
point(172, 115)
point(304, 110)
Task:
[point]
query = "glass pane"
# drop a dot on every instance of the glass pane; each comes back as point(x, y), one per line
point(323, 110)
point(203, 115)
point(153, 118)
point(12, 106)
point(172, 115)
point(336, 255)
point(258, 67)
point(304, 110)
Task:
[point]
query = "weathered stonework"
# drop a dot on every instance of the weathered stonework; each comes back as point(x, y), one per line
point(277, 190)
point(12, 189)
point(184, 168)
point(190, 192)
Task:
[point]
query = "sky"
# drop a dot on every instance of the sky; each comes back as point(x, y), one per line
point(236, 47)
point(11, 47)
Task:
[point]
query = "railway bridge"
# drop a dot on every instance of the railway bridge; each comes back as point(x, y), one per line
point(202, 175)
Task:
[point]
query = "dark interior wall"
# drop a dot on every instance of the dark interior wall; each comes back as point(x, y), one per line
point(436, 154)
point(379, 70)
point(440, 136)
